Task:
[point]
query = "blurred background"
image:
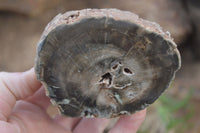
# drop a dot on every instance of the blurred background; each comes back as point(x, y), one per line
point(177, 110)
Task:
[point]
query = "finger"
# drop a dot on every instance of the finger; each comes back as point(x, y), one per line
point(15, 86)
point(30, 119)
point(40, 99)
point(129, 124)
point(68, 122)
point(91, 125)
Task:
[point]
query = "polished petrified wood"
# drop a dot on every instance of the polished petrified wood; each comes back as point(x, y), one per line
point(104, 62)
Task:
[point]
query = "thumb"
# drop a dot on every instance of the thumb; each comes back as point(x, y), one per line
point(13, 87)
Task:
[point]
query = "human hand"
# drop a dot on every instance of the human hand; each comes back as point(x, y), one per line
point(23, 106)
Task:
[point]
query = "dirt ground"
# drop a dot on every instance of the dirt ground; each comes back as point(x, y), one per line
point(19, 35)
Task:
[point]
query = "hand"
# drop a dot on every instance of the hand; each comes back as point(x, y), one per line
point(23, 105)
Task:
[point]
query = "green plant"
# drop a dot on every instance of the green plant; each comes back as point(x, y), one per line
point(171, 114)
point(174, 112)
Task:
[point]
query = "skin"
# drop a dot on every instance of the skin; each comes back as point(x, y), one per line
point(23, 105)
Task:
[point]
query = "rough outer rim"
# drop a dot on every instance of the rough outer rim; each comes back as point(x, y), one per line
point(72, 17)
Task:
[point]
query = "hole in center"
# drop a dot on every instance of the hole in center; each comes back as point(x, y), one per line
point(106, 77)
point(126, 70)
point(114, 67)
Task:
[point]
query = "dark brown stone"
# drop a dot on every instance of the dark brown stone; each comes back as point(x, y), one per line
point(104, 62)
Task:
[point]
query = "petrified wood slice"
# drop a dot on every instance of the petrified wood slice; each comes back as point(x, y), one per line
point(104, 62)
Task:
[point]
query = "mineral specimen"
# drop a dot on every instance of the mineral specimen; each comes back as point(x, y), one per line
point(104, 62)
